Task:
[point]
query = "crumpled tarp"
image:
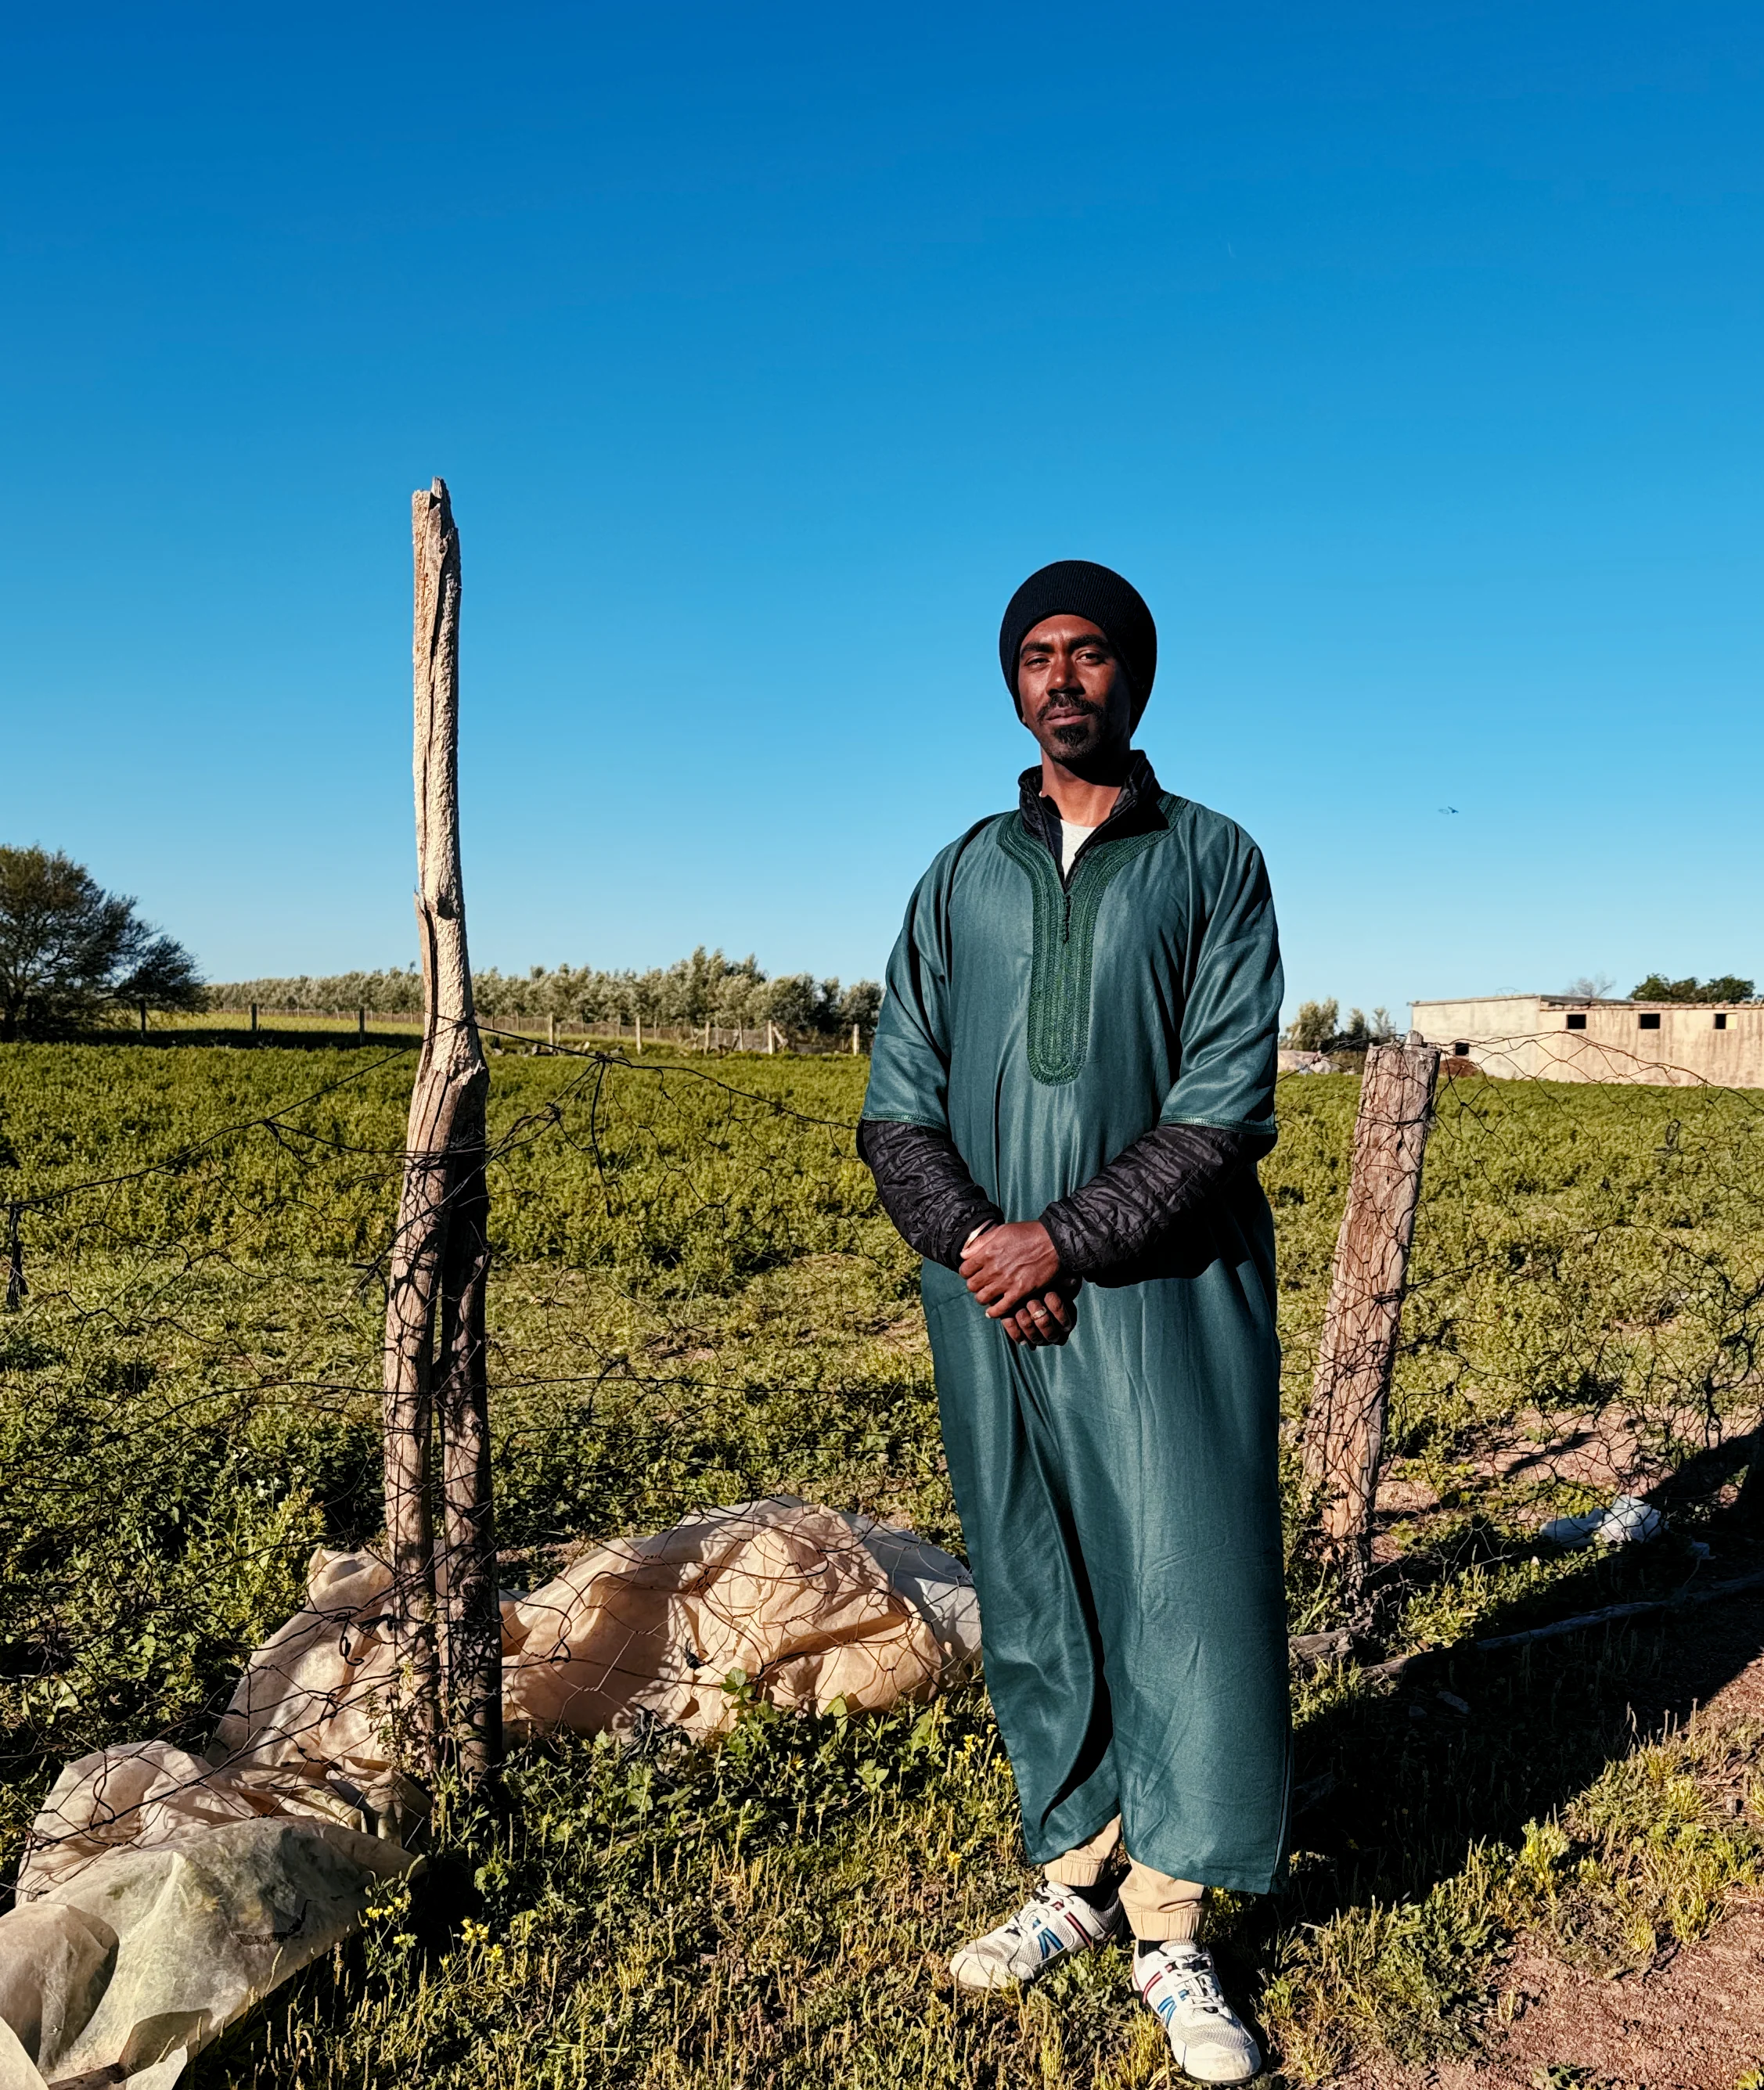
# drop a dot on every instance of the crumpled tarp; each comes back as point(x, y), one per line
point(788, 1595)
point(171, 1900)
point(164, 1893)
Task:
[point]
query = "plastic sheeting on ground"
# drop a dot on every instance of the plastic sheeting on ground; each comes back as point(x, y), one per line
point(790, 1596)
point(140, 1955)
point(164, 1893)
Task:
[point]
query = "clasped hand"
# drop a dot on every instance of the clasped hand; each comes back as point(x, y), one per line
point(1013, 1271)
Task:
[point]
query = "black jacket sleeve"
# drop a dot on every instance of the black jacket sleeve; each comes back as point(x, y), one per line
point(925, 1188)
point(1164, 1177)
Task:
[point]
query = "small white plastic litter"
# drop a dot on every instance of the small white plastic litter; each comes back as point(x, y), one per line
point(1629, 1521)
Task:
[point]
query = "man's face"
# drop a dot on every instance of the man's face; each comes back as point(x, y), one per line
point(1073, 691)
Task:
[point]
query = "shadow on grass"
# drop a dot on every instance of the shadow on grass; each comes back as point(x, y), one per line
point(330, 1038)
point(1394, 1790)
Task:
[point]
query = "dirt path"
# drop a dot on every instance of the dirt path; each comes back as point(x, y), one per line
point(1694, 2020)
point(1695, 2023)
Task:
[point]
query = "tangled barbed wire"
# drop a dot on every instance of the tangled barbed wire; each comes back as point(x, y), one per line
point(715, 1446)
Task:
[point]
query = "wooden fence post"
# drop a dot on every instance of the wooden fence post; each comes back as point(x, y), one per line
point(450, 1666)
point(361, 1026)
point(16, 1287)
point(1749, 1506)
point(1344, 1439)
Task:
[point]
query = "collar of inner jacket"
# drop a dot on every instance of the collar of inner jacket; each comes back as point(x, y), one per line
point(1135, 808)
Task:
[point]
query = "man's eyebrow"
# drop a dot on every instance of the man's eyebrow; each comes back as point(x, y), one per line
point(1046, 645)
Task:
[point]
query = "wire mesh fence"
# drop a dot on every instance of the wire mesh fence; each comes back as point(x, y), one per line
point(718, 1481)
point(255, 1021)
point(1581, 1320)
point(194, 1365)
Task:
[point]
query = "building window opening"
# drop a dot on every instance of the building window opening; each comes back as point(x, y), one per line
point(1650, 1020)
point(1721, 1019)
point(1576, 1020)
point(1460, 1051)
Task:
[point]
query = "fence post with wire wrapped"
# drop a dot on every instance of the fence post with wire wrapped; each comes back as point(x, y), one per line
point(1344, 1440)
point(445, 1603)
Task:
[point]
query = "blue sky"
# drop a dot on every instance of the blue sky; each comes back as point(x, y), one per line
point(1407, 357)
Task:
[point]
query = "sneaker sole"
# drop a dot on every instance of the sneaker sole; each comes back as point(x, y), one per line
point(1245, 2074)
point(977, 1975)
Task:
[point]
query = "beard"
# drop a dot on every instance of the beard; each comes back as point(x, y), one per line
point(1076, 736)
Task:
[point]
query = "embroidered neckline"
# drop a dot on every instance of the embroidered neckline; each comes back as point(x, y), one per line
point(1065, 937)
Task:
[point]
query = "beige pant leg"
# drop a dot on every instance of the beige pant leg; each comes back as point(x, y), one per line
point(1083, 1867)
point(1157, 1908)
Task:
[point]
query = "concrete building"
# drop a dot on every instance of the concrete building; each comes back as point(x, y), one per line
point(1556, 1037)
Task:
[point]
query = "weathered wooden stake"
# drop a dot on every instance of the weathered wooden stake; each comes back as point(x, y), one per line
point(1344, 1430)
point(440, 1257)
point(1749, 1506)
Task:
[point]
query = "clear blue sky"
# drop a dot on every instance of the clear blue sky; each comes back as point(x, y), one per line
point(1408, 357)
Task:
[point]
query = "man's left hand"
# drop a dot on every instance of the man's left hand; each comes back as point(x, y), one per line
point(1009, 1265)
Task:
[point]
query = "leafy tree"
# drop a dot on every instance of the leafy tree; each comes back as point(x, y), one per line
point(799, 1002)
point(861, 1004)
point(1317, 1028)
point(1725, 987)
point(1361, 1031)
point(72, 954)
point(1311, 1030)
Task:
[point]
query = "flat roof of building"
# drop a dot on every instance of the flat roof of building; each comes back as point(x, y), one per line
point(1577, 1001)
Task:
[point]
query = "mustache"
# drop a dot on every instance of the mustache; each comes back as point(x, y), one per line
point(1076, 706)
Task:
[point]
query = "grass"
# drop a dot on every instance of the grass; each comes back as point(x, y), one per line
point(695, 1301)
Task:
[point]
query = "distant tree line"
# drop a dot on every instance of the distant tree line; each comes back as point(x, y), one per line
point(704, 988)
point(73, 957)
point(1724, 987)
point(1317, 1028)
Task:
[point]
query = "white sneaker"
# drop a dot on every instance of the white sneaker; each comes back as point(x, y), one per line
point(1053, 1924)
point(1207, 2038)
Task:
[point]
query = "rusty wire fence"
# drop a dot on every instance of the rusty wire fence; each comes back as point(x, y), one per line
point(1538, 1355)
point(717, 1477)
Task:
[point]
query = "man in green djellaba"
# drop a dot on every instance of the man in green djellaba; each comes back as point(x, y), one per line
point(1072, 1081)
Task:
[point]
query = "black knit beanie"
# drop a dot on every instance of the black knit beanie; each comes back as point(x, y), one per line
point(1076, 588)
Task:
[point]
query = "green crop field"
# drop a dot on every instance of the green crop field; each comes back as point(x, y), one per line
point(695, 1301)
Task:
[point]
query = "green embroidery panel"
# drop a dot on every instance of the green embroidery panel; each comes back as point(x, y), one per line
point(1066, 939)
